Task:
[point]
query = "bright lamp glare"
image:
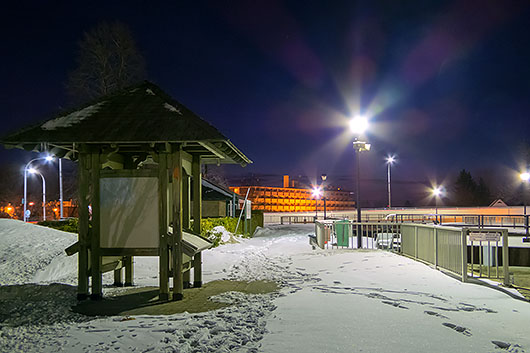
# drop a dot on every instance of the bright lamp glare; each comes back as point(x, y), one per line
point(390, 159)
point(32, 171)
point(359, 125)
point(525, 176)
point(316, 192)
point(49, 158)
point(437, 191)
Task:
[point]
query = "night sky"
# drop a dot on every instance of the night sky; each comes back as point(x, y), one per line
point(445, 83)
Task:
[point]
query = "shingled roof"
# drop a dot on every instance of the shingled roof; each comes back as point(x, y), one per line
point(141, 114)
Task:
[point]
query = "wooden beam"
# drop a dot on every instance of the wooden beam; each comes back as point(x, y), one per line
point(83, 240)
point(197, 215)
point(163, 255)
point(177, 225)
point(95, 256)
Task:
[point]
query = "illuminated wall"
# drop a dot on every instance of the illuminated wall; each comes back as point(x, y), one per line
point(274, 199)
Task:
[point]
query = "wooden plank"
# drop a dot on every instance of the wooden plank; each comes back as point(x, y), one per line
point(177, 226)
point(95, 256)
point(163, 254)
point(128, 251)
point(129, 173)
point(82, 266)
point(197, 215)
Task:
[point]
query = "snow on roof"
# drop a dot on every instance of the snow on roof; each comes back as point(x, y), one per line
point(72, 118)
point(172, 108)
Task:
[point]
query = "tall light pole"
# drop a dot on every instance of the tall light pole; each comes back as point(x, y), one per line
point(358, 126)
point(389, 161)
point(525, 177)
point(437, 192)
point(34, 171)
point(324, 177)
point(61, 188)
point(316, 194)
point(26, 169)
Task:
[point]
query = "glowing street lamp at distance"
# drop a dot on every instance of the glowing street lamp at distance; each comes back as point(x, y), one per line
point(437, 192)
point(34, 171)
point(389, 161)
point(47, 158)
point(525, 177)
point(317, 192)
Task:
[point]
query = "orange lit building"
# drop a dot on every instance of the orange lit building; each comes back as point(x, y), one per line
point(290, 199)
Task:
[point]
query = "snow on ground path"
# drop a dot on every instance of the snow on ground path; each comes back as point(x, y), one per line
point(331, 300)
point(375, 301)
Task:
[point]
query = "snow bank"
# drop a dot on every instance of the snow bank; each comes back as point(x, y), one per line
point(26, 249)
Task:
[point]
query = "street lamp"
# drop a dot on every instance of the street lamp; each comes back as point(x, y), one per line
point(389, 161)
point(525, 177)
point(358, 126)
point(34, 171)
point(316, 194)
point(324, 177)
point(438, 193)
point(26, 170)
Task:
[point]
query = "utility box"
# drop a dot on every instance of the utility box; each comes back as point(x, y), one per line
point(342, 230)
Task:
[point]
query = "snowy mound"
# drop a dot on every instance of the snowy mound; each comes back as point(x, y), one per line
point(26, 249)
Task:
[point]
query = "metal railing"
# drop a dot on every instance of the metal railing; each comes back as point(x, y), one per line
point(343, 234)
point(443, 247)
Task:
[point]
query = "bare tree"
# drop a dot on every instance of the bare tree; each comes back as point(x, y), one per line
point(108, 60)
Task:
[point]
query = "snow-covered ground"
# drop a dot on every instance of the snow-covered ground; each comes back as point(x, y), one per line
point(330, 301)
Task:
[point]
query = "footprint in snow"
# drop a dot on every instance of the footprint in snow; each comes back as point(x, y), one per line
point(433, 313)
point(511, 348)
point(336, 282)
point(394, 304)
point(457, 328)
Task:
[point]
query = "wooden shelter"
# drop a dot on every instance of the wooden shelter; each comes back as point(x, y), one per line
point(139, 155)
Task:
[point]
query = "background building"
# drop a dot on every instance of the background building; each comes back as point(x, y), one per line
point(291, 199)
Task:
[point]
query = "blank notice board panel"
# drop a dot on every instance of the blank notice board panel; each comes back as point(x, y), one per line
point(129, 212)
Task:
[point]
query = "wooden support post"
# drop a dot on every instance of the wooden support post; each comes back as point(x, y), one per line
point(505, 258)
point(82, 266)
point(186, 218)
point(129, 271)
point(95, 256)
point(163, 255)
point(185, 200)
point(118, 277)
point(177, 225)
point(197, 215)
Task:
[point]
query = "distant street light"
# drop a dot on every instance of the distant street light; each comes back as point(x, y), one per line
point(26, 170)
point(438, 193)
point(34, 171)
point(324, 177)
point(358, 126)
point(316, 194)
point(389, 161)
point(525, 177)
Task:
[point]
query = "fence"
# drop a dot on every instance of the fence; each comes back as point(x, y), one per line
point(443, 247)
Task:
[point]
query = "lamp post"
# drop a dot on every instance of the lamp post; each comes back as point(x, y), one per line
point(389, 161)
point(26, 169)
point(324, 177)
point(34, 171)
point(358, 126)
point(437, 192)
point(525, 177)
point(316, 194)
point(61, 188)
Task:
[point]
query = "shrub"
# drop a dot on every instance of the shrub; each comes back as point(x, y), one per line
point(67, 225)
